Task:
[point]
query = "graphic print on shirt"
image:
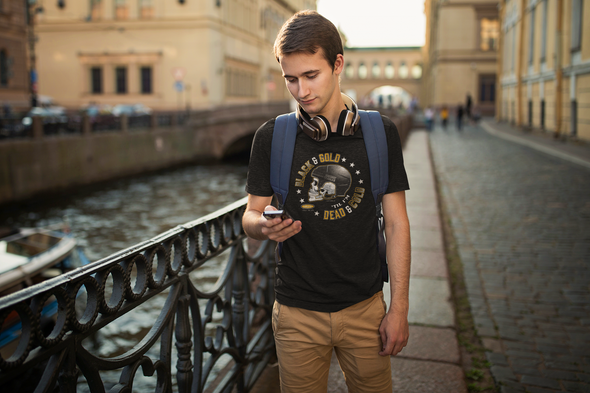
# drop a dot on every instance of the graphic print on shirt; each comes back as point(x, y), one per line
point(329, 186)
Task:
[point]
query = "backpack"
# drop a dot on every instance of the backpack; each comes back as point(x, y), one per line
point(281, 158)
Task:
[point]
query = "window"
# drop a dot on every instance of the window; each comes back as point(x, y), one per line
point(96, 80)
point(3, 68)
point(389, 71)
point(349, 71)
point(241, 83)
point(146, 80)
point(577, 10)
point(362, 71)
point(513, 57)
point(544, 33)
point(490, 31)
point(146, 9)
point(403, 70)
point(532, 35)
point(487, 89)
point(121, 80)
point(95, 9)
point(376, 70)
point(417, 71)
point(121, 9)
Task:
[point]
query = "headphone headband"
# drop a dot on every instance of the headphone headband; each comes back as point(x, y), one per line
point(318, 128)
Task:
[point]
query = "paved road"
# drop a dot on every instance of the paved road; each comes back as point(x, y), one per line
point(521, 219)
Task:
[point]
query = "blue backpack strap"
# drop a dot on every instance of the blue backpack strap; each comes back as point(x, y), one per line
point(376, 145)
point(281, 156)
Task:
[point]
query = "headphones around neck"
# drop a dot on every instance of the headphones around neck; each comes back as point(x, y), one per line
point(318, 128)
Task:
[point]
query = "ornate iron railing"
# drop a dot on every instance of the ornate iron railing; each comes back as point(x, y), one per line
point(229, 320)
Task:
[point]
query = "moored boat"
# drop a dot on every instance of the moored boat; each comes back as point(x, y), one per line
point(29, 256)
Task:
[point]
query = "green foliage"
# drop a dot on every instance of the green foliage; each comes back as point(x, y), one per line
point(474, 374)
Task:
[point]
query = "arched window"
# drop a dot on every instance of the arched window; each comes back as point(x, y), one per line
point(389, 71)
point(417, 71)
point(490, 33)
point(362, 71)
point(403, 70)
point(376, 70)
point(3, 68)
point(349, 71)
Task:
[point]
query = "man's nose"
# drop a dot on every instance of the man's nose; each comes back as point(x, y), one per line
point(303, 88)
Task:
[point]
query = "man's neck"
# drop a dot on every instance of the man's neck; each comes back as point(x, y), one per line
point(333, 110)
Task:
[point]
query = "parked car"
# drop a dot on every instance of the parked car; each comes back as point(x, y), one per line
point(131, 110)
point(101, 117)
point(53, 119)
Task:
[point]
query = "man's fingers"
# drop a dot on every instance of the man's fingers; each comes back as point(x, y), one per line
point(280, 230)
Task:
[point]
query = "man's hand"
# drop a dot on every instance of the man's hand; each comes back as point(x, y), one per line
point(277, 229)
point(394, 333)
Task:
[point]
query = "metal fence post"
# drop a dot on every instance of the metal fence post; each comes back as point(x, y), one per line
point(37, 127)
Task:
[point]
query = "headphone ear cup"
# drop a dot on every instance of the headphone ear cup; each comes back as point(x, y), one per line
point(348, 128)
point(324, 126)
point(341, 122)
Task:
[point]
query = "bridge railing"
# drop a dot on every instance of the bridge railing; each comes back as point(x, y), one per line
point(198, 326)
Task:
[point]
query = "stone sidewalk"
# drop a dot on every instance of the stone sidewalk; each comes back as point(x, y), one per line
point(431, 360)
point(519, 208)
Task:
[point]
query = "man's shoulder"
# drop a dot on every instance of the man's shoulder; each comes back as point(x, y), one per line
point(388, 124)
point(267, 127)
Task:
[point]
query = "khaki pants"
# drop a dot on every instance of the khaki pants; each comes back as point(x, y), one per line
point(305, 340)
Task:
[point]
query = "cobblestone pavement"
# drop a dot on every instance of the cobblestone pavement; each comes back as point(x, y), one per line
point(521, 220)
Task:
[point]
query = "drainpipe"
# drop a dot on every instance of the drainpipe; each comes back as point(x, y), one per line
point(519, 121)
point(499, 61)
point(558, 69)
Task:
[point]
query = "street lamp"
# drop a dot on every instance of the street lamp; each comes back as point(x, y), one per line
point(32, 10)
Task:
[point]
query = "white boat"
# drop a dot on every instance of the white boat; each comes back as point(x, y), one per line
point(32, 255)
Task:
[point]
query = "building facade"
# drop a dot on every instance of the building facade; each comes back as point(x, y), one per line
point(460, 53)
point(367, 69)
point(545, 65)
point(14, 84)
point(166, 54)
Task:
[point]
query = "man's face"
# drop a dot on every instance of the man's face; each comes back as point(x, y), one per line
point(311, 80)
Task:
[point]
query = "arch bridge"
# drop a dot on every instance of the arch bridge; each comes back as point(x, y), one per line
point(366, 69)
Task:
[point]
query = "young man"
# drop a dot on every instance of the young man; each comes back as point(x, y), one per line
point(328, 279)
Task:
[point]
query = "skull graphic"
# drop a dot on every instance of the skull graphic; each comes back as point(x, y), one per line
point(329, 182)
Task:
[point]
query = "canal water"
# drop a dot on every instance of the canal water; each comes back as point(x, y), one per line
point(116, 215)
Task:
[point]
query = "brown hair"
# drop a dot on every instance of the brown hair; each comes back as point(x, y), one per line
point(307, 31)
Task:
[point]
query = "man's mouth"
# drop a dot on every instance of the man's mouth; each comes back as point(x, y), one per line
point(306, 102)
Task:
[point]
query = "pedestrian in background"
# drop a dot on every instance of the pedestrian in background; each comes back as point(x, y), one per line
point(428, 118)
point(444, 115)
point(459, 117)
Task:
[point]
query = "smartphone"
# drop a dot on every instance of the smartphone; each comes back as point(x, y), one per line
point(270, 214)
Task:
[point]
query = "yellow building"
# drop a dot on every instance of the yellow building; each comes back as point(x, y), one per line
point(14, 84)
point(545, 66)
point(369, 69)
point(460, 53)
point(166, 54)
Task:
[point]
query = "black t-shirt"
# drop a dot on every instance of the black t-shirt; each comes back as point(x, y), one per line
point(333, 262)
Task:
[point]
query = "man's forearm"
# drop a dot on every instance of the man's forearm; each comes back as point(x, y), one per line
point(398, 259)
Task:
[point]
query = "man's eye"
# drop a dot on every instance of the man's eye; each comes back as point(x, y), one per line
point(291, 80)
point(312, 76)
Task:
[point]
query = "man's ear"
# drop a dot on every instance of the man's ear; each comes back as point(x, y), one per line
point(339, 64)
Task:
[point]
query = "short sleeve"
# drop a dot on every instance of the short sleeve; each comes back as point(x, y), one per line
point(258, 182)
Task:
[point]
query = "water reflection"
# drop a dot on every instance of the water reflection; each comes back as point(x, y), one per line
point(125, 212)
